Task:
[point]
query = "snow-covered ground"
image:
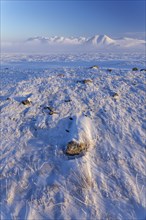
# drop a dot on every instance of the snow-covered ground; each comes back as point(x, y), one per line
point(38, 180)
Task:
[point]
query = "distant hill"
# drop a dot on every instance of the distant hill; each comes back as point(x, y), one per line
point(63, 44)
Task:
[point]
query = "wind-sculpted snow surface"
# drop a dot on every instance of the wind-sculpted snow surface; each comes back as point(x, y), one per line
point(38, 179)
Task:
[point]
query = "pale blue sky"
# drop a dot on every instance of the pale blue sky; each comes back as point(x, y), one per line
point(22, 19)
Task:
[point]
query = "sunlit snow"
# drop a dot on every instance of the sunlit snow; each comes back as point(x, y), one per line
point(70, 100)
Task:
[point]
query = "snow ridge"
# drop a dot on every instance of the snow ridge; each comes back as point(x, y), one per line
point(74, 44)
point(96, 41)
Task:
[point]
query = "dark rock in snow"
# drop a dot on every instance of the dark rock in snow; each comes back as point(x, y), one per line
point(109, 70)
point(49, 108)
point(51, 113)
point(115, 96)
point(60, 75)
point(87, 81)
point(8, 99)
point(143, 70)
point(68, 100)
point(94, 67)
point(135, 69)
point(26, 102)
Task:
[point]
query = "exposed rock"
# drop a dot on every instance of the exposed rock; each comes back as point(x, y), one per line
point(87, 81)
point(51, 113)
point(115, 96)
point(109, 70)
point(94, 67)
point(135, 69)
point(26, 102)
point(143, 70)
point(51, 110)
point(60, 75)
point(68, 100)
point(8, 99)
point(75, 148)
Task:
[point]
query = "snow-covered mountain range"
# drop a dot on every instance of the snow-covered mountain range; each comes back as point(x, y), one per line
point(62, 44)
point(97, 41)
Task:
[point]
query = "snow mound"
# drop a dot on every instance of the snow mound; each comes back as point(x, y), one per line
point(82, 130)
point(82, 135)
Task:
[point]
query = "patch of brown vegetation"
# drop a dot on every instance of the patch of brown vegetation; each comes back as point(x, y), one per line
point(74, 148)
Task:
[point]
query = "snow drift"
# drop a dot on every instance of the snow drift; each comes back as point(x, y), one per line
point(82, 135)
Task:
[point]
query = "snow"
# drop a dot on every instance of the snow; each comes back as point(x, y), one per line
point(96, 40)
point(99, 40)
point(39, 44)
point(38, 180)
point(82, 130)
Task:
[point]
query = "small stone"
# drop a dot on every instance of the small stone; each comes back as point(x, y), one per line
point(71, 118)
point(94, 67)
point(9, 99)
point(49, 108)
point(87, 81)
point(69, 100)
point(109, 70)
point(143, 70)
point(26, 102)
point(135, 69)
point(60, 75)
point(74, 148)
point(115, 96)
point(51, 113)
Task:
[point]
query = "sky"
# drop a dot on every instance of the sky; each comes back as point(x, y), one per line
point(23, 19)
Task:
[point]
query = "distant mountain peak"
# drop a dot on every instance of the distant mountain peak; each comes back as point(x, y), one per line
point(93, 43)
point(100, 40)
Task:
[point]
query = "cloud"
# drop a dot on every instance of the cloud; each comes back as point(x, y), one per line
point(138, 35)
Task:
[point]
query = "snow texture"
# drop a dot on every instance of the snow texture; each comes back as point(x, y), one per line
point(38, 180)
